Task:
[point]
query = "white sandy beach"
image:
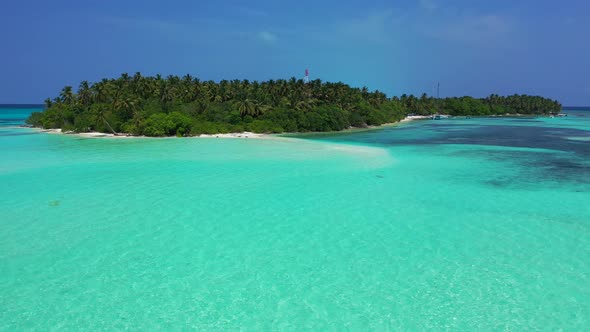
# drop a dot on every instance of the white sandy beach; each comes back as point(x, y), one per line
point(95, 134)
point(242, 135)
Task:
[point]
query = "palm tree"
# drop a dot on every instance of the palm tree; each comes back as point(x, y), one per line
point(245, 107)
point(66, 95)
point(100, 116)
point(84, 93)
point(125, 77)
point(259, 108)
point(102, 91)
point(305, 105)
point(125, 105)
point(207, 92)
point(137, 77)
point(424, 104)
point(167, 93)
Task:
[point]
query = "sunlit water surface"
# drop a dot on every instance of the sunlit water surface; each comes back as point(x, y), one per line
point(462, 224)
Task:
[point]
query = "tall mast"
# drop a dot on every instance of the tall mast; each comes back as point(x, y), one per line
point(438, 97)
point(437, 90)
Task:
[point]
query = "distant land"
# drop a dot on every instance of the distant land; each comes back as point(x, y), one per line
point(186, 106)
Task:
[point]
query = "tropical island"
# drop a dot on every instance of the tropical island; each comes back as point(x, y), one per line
point(187, 106)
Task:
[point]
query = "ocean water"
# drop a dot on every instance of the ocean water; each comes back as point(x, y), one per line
point(461, 224)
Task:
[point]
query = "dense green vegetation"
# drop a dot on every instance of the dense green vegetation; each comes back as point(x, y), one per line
point(156, 106)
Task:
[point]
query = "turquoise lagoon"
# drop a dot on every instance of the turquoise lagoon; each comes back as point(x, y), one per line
point(462, 224)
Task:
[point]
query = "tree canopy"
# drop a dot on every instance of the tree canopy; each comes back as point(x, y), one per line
point(187, 106)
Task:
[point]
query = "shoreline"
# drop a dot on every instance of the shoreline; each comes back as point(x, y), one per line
point(96, 134)
point(242, 135)
point(251, 135)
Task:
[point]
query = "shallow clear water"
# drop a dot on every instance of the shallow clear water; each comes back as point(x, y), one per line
point(457, 224)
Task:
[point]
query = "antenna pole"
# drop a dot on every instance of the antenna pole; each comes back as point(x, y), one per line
point(437, 90)
point(438, 97)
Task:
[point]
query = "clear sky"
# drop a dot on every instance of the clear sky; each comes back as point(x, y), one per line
point(473, 47)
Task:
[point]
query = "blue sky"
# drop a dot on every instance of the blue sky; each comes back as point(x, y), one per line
point(473, 47)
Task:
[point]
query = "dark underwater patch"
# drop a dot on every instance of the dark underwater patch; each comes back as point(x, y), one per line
point(551, 138)
point(533, 167)
point(548, 164)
